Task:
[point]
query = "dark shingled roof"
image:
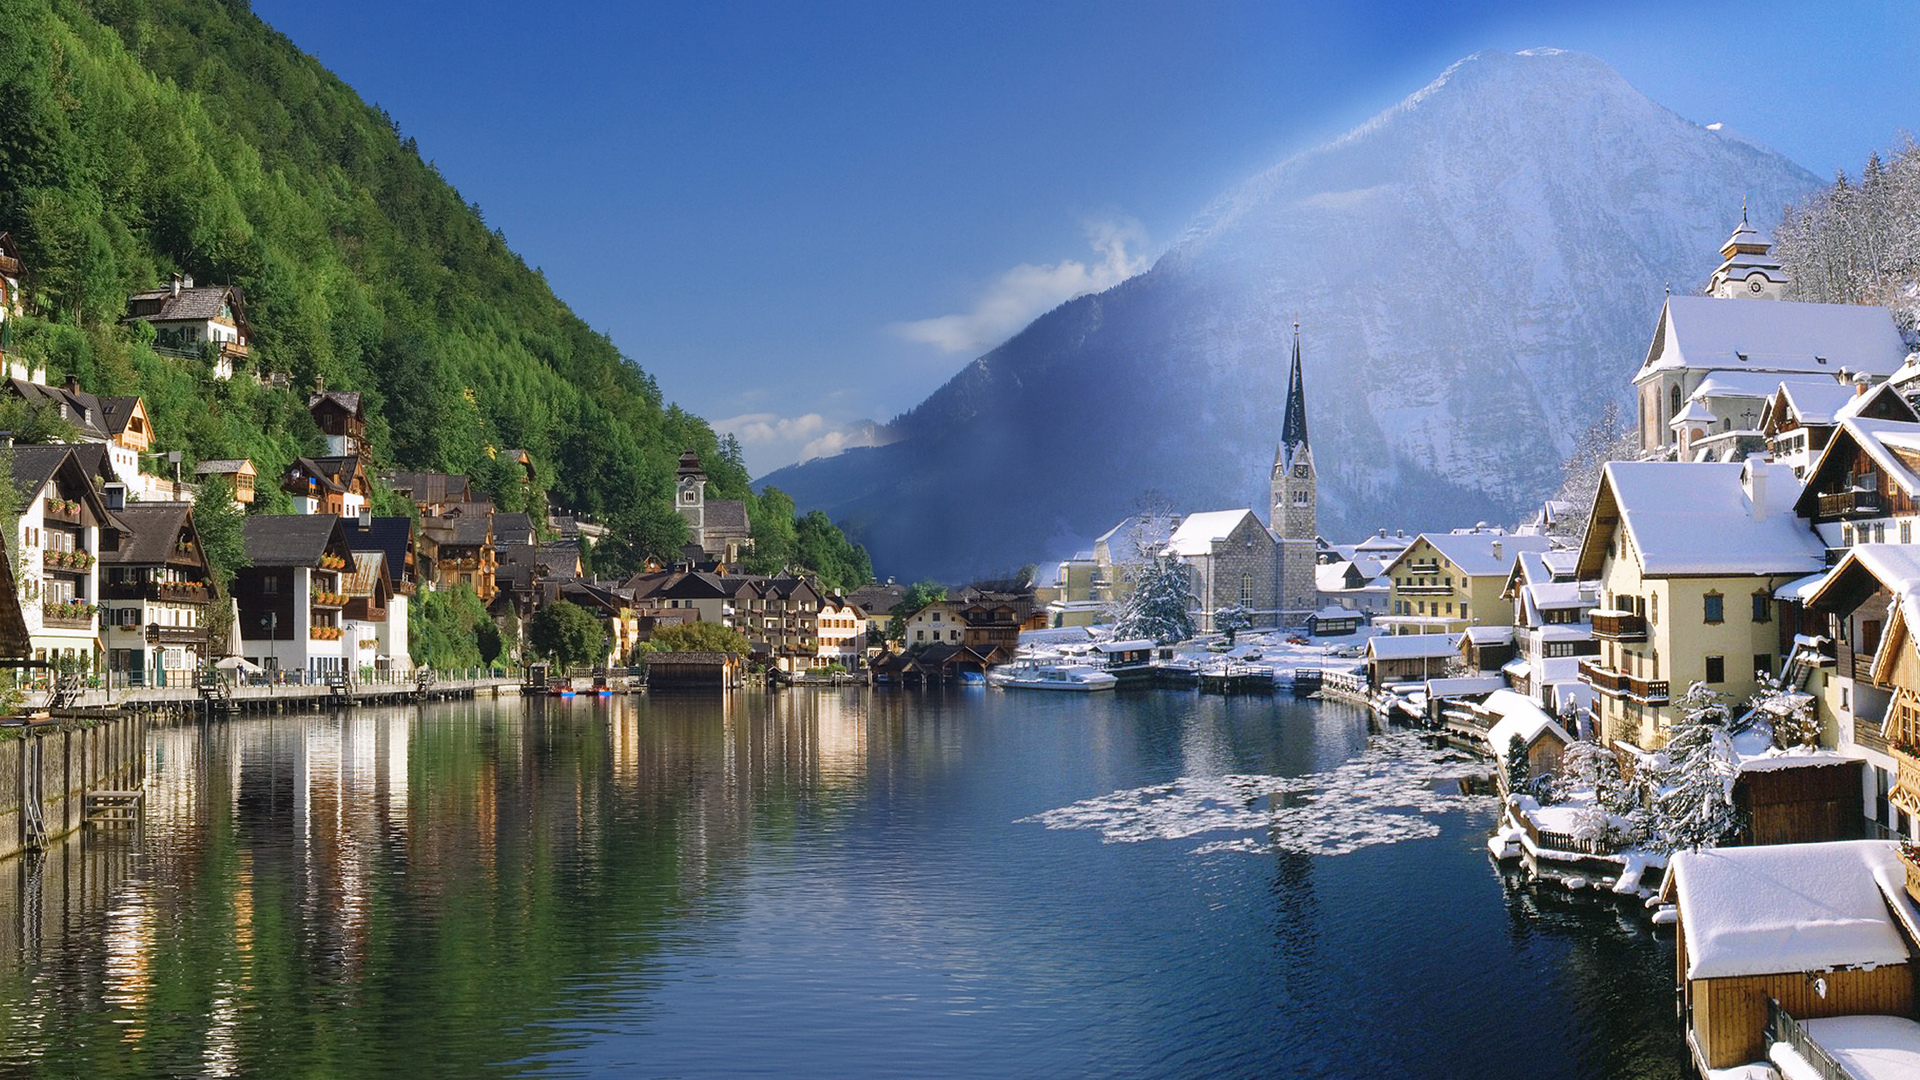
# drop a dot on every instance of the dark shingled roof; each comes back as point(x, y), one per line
point(153, 528)
point(726, 515)
point(292, 539)
point(78, 407)
point(518, 527)
point(33, 466)
point(430, 487)
point(346, 399)
point(387, 535)
point(459, 531)
point(878, 598)
point(117, 410)
point(192, 305)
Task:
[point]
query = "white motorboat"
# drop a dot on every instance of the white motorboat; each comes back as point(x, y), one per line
point(1054, 677)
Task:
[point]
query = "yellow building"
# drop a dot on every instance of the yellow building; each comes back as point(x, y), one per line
point(1443, 583)
point(1688, 556)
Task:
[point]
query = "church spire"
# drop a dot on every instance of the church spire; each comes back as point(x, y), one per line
point(1293, 429)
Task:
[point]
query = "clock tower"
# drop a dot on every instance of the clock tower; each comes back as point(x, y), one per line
point(1294, 501)
point(1748, 270)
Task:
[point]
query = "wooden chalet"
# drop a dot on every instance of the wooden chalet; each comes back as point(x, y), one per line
point(238, 471)
point(342, 419)
point(12, 296)
point(1802, 944)
point(155, 590)
point(185, 318)
point(466, 554)
point(1800, 417)
point(432, 492)
point(1866, 485)
point(290, 594)
point(398, 542)
point(517, 457)
point(328, 485)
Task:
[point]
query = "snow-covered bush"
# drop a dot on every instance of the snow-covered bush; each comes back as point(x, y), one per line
point(1232, 619)
point(1160, 607)
point(1788, 712)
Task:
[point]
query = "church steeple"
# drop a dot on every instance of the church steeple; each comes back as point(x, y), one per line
point(1748, 269)
point(1294, 483)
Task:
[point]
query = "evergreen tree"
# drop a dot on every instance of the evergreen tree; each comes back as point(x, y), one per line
point(1161, 604)
point(221, 525)
point(1519, 769)
point(1232, 619)
point(1693, 800)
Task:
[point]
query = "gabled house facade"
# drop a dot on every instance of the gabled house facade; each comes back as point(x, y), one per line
point(328, 485)
point(155, 592)
point(1443, 583)
point(61, 516)
point(342, 419)
point(236, 471)
point(1553, 629)
point(186, 317)
point(1687, 556)
point(291, 596)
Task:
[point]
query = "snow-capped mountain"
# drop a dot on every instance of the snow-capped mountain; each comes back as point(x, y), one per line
point(1475, 271)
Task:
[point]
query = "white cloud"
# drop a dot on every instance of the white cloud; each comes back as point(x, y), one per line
point(865, 433)
point(751, 428)
point(1020, 294)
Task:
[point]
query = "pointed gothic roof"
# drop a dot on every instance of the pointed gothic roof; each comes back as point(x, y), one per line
point(1293, 430)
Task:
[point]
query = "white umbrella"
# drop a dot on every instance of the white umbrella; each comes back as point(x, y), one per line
point(237, 663)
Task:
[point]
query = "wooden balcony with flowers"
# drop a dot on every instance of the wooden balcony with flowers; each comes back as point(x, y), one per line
point(329, 599)
point(68, 616)
point(332, 562)
point(325, 633)
point(62, 511)
point(176, 635)
point(67, 562)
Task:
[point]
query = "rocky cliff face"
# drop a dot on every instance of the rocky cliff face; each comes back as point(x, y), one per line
point(1475, 271)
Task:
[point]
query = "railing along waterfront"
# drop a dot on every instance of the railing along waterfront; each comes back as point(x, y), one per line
point(1783, 1028)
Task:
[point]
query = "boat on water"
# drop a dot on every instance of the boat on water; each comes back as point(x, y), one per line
point(1078, 677)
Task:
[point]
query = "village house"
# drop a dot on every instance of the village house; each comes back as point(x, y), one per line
point(464, 552)
point(155, 592)
point(1865, 486)
point(1717, 360)
point(843, 633)
point(936, 623)
point(342, 419)
point(1404, 658)
point(185, 318)
point(433, 493)
point(1687, 556)
point(1354, 584)
point(1870, 695)
point(875, 603)
point(117, 424)
point(367, 618)
point(1800, 417)
point(236, 471)
point(328, 485)
point(1552, 629)
point(394, 540)
point(1443, 583)
point(780, 616)
point(291, 595)
point(1806, 948)
point(61, 516)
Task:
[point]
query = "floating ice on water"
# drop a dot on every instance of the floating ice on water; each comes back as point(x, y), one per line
point(1380, 797)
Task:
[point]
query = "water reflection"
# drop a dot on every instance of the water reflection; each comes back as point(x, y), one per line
point(826, 883)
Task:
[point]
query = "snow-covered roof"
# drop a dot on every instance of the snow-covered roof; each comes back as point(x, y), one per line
point(1389, 545)
point(1131, 645)
point(1518, 715)
point(1704, 332)
point(1801, 588)
point(1412, 646)
point(1480, 554)
point(1335, 611)
point(1817, 401)
point(1196, 534)
point(1747, 384)
point(1564, 594)
point(1697, 518)
point(1465, 686)
point(1331, 577)
point(1785, 908)
point(1490, 635)
point(1566, 632)
point(1895, 566)
point(1859, 402)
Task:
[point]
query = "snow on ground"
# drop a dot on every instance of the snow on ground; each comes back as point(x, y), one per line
point(1381, 797)
point(1268, 649)
point(1868, 1047)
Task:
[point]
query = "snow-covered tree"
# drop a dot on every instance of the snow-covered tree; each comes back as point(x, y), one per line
point(1232, 619)
point(1693, 794)
point(1788, 712)
point(1858, 242)
point(1608, 438)
point(1519, 769)
point(1161, 603)
point(1585, 764)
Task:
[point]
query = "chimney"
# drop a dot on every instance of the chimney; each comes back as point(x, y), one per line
point(176, 284)
point(186, 281)
point(115, 496)
point(1862, 383)
point(1496, 551)
point(366, 517)
point(73, 383)
point(1383, 534)
point(1757, 487)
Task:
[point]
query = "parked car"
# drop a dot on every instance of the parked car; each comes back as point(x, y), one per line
point(1296, 639)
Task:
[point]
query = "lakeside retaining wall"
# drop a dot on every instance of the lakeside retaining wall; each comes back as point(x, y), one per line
point(108, 755)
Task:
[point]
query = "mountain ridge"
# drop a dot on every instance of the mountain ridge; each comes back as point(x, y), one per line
point(1491, 246)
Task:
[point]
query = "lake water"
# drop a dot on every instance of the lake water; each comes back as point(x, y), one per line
point(817, 884)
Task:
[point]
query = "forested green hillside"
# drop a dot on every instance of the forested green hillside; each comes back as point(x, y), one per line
point(143, 137)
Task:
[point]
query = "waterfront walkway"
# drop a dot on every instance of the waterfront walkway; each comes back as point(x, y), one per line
point(275, 697)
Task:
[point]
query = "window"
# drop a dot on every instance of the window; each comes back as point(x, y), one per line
point(1906, 532)
point(1762, 607)
point(1653, 608)
point(1716, 611)
point(1762, 665)
point(1879, 532)
point(1246, 589)
point(1300, 498)
point(1716, 669)
point(1673, 400)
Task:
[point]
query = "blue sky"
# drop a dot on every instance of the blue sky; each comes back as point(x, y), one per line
point(799, 216)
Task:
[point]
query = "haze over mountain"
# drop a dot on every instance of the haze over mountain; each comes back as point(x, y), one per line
point(1475, 270)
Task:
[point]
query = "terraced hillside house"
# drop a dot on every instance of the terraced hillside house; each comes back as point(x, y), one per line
point(1800, 418)
point(192, 321)
point(370, 644)
point(61, 515)
point(465, 552)
point(238, 472)
point(291, 595)
point(1688, 556)
point(328, 485)
point(155, 593)
point(342, 418)
point(1443, 583)
point(1865, 486)
point(433, 493)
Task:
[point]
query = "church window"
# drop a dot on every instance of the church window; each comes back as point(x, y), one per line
point(1300, 498)
point(1674, 399)
point(1246, 589)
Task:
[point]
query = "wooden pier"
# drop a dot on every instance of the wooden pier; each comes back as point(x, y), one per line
point(220, 696)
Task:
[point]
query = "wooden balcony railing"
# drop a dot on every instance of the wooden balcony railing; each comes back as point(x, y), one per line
point(1604, 679)
point(176, 635)
point(1426, 590)
point(1423, 566)
point(1910, 859)
point(1619, 626)
point(1851, 503)
point(1867, 733)
point(1863, 667)
point(172, 592)
point(1906, 777)
point(1650, 691)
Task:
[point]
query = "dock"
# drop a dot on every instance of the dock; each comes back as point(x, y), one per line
point(221, 696)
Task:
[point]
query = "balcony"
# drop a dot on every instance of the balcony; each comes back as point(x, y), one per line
point(1863, 667)
point(62, 511)
point(329, 599)
point(1603, 679)
point(1619, 626)
point(1906, 780)
point(176, 635)
point(1424, 566)
point(67, 562)
point(1647, 691)
point(75, 616)
point(1425, 590)
point(172, 592)
point(1851, 503)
